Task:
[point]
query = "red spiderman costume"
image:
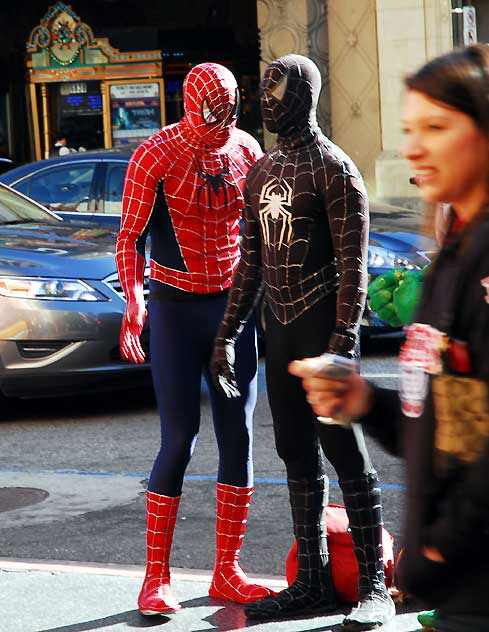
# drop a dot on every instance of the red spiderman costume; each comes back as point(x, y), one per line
point(184, 189)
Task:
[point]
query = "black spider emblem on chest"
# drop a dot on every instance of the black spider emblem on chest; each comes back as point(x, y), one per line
point(213, 183)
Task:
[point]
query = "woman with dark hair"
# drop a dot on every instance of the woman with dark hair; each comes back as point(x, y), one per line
point(440, 418)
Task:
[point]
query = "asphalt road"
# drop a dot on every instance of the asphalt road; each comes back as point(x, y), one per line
point(91, 456)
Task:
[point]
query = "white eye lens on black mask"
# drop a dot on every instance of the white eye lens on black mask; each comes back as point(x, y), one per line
point(279, 90)
point(207, 114)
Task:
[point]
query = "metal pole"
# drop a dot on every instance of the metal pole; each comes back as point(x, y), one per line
point(35, 121)
point(45, 119)
point(106, 115)
point(457, 22)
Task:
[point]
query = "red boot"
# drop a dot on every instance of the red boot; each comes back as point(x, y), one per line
point(156, 596)
point(229, 581)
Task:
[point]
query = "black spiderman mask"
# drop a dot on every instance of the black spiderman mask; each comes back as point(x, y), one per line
point(289, 94)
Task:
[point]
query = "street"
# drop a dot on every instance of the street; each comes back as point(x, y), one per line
point(92, 455)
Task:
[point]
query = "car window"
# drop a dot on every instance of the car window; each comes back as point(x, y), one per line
point(24, 186)
point(15, 209)
point(114, 185)
point(65, 188)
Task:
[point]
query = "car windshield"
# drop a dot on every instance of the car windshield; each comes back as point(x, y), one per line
point(16, 209)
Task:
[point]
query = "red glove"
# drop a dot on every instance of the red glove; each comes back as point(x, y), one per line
point(132, 326)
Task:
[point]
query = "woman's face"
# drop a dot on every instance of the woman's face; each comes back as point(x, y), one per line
point(448, 153)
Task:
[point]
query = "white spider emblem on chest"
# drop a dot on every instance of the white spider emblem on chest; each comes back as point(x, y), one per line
point(275, 196)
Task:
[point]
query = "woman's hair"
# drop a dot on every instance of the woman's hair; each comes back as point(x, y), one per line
point(460, 79)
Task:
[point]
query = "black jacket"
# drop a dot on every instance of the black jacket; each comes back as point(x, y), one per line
point(448, 509)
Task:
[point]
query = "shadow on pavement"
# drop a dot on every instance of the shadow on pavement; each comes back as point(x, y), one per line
point(132, 618)
point(73, 406)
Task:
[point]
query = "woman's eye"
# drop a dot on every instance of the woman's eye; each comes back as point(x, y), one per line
point(207, 114)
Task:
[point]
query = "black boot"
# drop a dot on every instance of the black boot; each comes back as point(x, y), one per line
point(312, 591)
point(364, 508)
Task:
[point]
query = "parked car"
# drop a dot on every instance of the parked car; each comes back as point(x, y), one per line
point(79, 186)
point(61, 304)
point(89, 186)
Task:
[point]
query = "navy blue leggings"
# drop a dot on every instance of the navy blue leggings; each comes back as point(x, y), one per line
point(181, 341)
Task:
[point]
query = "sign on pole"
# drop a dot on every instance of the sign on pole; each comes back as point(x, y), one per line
point(470, 26)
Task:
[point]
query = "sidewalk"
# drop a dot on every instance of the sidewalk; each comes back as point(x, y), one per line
point(40, 596)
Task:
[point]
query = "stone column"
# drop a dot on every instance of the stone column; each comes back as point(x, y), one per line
point(296, 26)
point(409, 33)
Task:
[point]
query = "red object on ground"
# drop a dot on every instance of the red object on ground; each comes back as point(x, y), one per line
point(344, 565)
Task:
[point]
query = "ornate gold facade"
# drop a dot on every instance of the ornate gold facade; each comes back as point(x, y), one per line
point(63, 49)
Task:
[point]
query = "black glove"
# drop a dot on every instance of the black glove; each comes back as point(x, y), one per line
point(222, 367)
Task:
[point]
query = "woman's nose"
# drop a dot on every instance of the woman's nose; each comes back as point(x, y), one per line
point(411, 147)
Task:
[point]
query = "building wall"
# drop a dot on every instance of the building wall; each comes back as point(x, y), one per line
point(354, 83)
point(409, 32)
point(482, 16)
point(296, 26)
point(372, 45)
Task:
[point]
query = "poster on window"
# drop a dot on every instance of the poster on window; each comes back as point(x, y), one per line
point(135, 112)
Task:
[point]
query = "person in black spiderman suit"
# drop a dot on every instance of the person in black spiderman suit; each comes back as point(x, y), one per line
point(305, 240)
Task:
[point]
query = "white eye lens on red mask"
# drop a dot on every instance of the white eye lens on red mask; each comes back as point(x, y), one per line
point(209, 117)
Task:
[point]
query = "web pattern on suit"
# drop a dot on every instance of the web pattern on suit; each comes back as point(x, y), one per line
point(326, 250)
point(205, 223)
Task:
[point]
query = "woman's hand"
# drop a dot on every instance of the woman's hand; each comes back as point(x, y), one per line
point(349, 396)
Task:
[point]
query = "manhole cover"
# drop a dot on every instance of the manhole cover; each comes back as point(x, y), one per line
point(18, 497)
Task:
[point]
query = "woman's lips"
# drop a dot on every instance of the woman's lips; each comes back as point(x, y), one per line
point(424, 177)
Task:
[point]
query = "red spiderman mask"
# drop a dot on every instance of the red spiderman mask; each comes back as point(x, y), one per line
point(211, 101)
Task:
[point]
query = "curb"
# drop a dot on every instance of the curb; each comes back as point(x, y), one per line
point(120, 570)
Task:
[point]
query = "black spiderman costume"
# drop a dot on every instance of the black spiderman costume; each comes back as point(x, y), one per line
point(305, 241)
point(183, 188)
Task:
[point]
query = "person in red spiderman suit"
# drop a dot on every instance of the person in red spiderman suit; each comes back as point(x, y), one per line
point(184, 188)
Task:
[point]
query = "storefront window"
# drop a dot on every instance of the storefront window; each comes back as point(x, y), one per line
point(135, 111)
point(78, 114)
